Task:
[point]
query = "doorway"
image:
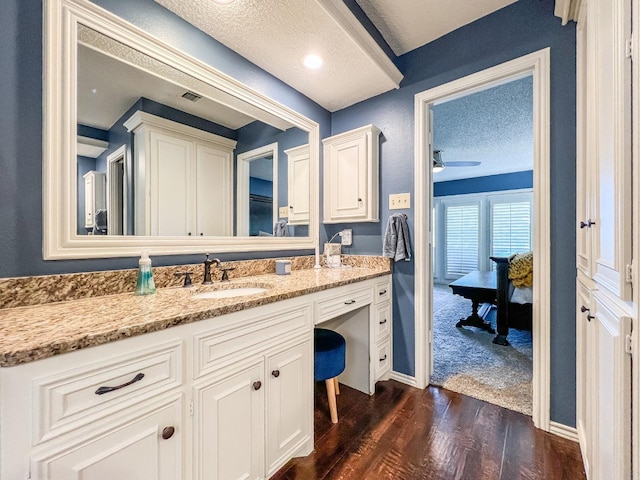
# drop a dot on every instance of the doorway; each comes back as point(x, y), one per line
point(482, 209)
point(535, 65)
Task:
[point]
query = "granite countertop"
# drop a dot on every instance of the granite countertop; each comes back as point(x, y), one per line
point(41, 331)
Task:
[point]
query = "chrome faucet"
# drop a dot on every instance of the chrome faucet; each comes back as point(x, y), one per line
point(207, 269)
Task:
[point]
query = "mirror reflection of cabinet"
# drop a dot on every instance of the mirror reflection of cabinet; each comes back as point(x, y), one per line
point(94, 196)
point(351, 176)
point(298, 183)
point(183, 178)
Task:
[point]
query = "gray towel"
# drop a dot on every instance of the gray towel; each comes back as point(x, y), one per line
point(397, 243)
point(281, 229)
point(100, 226)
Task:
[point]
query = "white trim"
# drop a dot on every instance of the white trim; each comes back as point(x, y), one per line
point(112, 159)
point(59, 199)
point(242, 185)
point(403, 378)
point(536, 64)
point(563, 431)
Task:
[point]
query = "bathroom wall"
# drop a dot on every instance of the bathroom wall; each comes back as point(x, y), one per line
point(521, 28)
point(21, 125)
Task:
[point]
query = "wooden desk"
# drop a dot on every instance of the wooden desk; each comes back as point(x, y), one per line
point(479, 287)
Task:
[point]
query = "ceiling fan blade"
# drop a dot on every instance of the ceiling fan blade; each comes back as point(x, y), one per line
point(463, 164)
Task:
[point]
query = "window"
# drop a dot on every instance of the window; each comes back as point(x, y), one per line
point(462, 238)
point(510, 228)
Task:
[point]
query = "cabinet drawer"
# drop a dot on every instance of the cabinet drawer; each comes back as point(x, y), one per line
point(382, 325)
point(222, 346)
point(383, 359)
point(344, 302)
point(383, 292)
point(82, 396)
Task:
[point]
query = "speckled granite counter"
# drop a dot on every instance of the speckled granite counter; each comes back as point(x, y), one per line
point(40, 331)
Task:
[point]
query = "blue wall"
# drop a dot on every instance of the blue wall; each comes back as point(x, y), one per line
point(21, 125)
point(490, 183)
point(521, 28)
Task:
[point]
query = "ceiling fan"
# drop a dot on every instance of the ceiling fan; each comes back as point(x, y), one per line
point(439, 164)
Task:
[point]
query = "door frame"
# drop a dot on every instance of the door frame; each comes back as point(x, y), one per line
point(536, 64)
point(113, 159)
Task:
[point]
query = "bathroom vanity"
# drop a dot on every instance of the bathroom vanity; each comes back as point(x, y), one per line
point(170, 386)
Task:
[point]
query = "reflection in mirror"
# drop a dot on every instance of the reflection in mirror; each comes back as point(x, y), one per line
point(158, 151)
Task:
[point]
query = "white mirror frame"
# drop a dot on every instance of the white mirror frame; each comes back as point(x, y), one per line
point(60, 239)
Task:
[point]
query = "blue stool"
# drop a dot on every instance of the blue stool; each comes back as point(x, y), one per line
point(329, 361)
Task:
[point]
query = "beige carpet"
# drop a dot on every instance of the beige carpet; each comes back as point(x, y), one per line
point(466, 361)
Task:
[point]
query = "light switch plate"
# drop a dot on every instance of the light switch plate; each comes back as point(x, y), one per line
point(283, 212)
point(399, 200)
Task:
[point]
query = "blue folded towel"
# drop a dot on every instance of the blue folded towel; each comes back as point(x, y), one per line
point(397, 242)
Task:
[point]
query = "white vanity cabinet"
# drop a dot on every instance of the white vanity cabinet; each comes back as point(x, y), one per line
point(351, 176)
point(183, 178)
point(298, 185)
point(95, 196)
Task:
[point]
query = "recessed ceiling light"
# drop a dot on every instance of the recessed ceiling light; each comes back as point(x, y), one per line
point(312, 61)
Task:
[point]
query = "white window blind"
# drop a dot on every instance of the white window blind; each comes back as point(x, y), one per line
point(462, 223)
point(510, 228)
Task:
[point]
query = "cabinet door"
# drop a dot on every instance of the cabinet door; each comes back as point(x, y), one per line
point(289, 404)
point(229, 426)
point(609, 21)
point(89, 201)
point(214, 177)
point(611, 392)
point(347, 179)
point(171, 186)
point(133, 450)
point(298, 183)
point(586, 364)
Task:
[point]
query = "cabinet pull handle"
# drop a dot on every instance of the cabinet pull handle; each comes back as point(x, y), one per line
point(189, 233)
point(383, 358)
point(382, 292)
point(276, 373)
point(167, 432)
point(585, 309)
point(383, 322)
point(257, 385)
point(349, 302)
point(103, 390)
point(588, 224)
point(201, 234)
point(291, 207)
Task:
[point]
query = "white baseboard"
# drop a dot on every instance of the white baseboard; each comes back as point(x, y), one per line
point(570, 433)
point(403, 378)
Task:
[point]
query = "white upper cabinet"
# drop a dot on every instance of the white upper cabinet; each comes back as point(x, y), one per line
point(94, 196)
point(604, 209)
point(351, 176)
point(298, 184)
point(183, 179)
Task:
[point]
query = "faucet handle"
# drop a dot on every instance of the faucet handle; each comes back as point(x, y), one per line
point(225, 273)
point(187, 278)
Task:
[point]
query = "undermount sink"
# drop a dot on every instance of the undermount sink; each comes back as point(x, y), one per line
point(230, 292)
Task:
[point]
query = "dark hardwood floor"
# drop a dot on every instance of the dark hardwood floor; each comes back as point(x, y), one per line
point(405, 433)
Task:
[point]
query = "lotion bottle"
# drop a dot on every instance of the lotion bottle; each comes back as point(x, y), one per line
point(145, 284)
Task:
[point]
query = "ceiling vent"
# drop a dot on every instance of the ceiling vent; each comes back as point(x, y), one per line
point(194, 97)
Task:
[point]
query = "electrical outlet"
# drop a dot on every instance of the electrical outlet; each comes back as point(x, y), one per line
point(346, 238)
point(399, 200)
point(284, 212)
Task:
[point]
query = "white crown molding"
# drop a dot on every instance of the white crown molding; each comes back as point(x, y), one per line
point(567, 10)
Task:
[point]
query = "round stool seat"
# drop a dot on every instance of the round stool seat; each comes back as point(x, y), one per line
point(329, 354)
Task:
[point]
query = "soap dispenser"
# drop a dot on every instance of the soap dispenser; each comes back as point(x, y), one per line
point(145, 284)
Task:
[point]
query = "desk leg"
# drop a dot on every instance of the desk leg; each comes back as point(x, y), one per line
point(475, 320)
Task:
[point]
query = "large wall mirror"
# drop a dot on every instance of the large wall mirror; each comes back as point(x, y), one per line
point(147, 147)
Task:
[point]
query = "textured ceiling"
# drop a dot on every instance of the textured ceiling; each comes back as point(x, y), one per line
point(276, 35)
point(494, 127)
point(409, 24)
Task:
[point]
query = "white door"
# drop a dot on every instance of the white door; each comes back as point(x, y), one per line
point(171, 187)
point(229, 426)
point(348, 178)
point(288, 418)
point(133, 450)
point(298, 182)
point(612, 391)
point(214, 178)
